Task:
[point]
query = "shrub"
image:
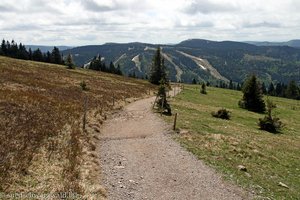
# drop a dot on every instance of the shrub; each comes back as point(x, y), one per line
point(222, 113)
point(83, 86)
point(270, 123)
point(203, 89)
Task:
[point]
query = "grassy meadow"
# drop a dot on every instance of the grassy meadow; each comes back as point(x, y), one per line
point(43, 148)
point(270, 159)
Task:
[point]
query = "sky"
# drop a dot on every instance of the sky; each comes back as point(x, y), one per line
point(85, 22)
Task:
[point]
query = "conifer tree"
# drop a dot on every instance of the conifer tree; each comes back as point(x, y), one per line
point(253, 97)
point(112, 68)
point(292, 91)
point(4, 47)
point(69, 62)
point(230, 85)
point(158, 69)
point(56, 56)
point(37, 55)
point(203, 88)
point(279, 90)
point(119, 72)
point(263, 88)
point(194, 81)
point(30, 54)
point(271, 89)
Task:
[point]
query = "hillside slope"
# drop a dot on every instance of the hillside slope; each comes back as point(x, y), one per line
point(203, 60)
point(42, 146)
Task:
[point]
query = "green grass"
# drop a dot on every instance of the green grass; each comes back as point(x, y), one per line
point(225, 144)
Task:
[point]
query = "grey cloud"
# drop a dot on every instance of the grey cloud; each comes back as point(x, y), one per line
point(6, 9)
point(206, 7)
point(198, 25)
point(87, 37)
point(23, 27)
point(91, 5)
point(261, 25)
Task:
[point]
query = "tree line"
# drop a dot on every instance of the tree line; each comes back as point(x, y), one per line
point(98, 65)
point(19, 51)
point(290, 90)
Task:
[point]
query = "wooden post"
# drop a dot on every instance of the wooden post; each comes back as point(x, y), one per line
point(113, 99)
point(155, 101)
point(175, 119)
point(162, 106)
point(84, 114)
point(174, 90)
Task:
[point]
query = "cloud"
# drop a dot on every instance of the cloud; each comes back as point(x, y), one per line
point(206, 7)
point(80, 22)
point(261, 25)
point(6, 9)
point(91, 5)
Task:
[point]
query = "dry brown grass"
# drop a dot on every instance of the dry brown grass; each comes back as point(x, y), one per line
point(42, 146)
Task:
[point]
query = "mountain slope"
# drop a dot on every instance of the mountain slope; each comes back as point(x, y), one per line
point(291, 43)
point(203, 60)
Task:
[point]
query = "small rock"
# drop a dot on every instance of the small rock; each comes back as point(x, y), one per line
point(119, 167)
point(283, 185)
point(131, 181)
point(242, 168)
point(142, 177)
point(183, 131)
point(122, 186)
point(248, 175)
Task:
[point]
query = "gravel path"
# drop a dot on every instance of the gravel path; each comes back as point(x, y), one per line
point(140, 160)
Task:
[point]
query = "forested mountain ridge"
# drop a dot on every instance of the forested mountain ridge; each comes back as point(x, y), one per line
point(203, 60)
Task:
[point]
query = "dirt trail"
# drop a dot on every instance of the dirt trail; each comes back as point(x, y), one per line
point(140, 160)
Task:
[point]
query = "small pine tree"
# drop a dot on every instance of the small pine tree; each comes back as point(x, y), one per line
point(83, 86)
point(253, 97)
point(203, 88)
point(230, 85)
point(270, 123)
point(118, 70)
point(162, 98)
point(194, 81)
point(69, 62)
point(112, 68)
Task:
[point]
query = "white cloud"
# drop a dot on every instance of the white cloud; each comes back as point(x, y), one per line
point(79, 22)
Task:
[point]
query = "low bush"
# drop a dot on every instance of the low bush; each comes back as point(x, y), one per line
point(270, 123)
point(222, 113)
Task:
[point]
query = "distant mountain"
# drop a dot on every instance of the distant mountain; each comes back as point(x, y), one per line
point(291, 43)
point(203, 60)
point(47, 48)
